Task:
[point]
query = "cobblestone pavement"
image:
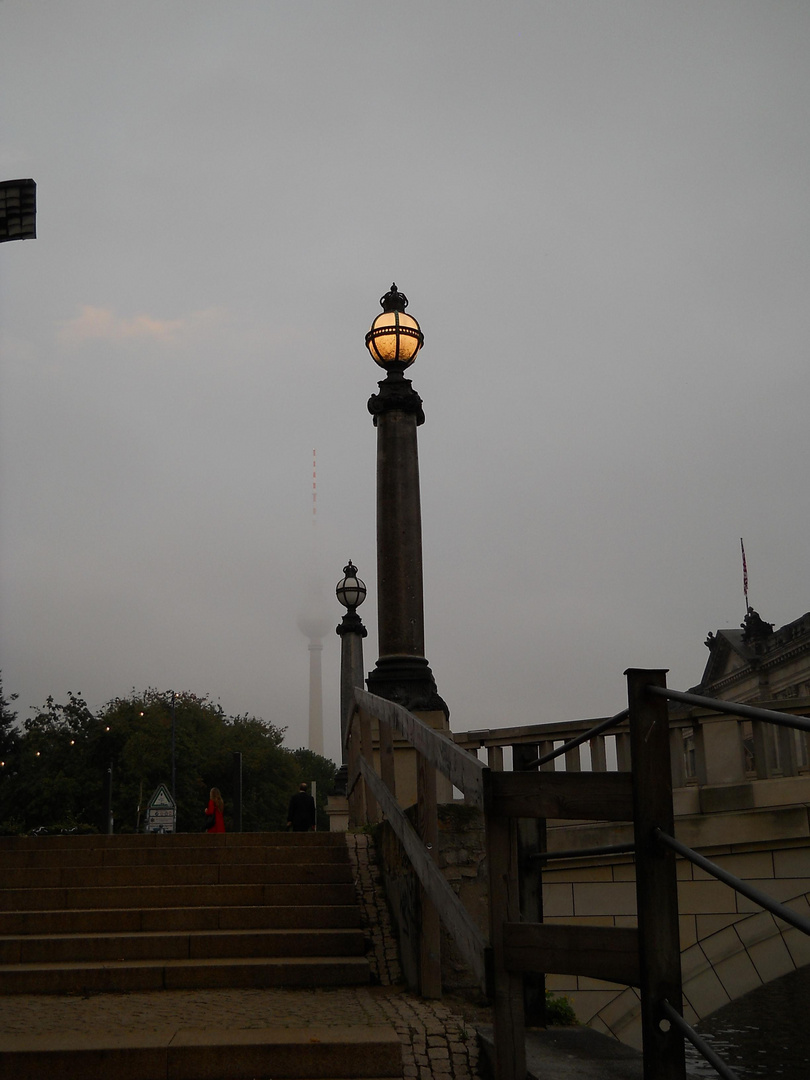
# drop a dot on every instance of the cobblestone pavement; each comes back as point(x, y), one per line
point(438, 1043)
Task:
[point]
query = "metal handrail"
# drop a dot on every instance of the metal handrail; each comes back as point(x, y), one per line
point(584, 853)
point(751, 712)
point(603, 725)
point(781, 911)
point(699, 1044)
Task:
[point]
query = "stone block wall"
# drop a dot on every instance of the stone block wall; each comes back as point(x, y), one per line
point(728, 945)
point(462, 861)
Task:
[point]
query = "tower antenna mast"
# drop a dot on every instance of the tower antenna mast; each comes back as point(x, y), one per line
point(314, 626)
point(314, 488)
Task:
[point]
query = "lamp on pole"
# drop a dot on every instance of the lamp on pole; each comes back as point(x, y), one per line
point(174, 743)
point(351, 592)
point(402, 673)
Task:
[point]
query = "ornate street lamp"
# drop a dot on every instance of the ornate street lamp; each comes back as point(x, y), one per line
point(394, 338)
point(350, 590)
point(402, 673)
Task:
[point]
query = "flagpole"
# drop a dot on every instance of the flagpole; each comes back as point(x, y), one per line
point(745, 574)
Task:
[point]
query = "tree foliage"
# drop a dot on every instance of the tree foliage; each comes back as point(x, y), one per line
point(62, 757)
point(9, 750)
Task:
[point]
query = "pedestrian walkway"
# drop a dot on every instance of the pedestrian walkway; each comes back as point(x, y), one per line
point(437, 1042)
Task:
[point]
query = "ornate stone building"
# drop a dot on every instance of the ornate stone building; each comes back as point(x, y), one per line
point(753, 665)
point(758, 663)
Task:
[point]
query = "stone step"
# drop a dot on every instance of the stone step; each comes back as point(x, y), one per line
point(165, 841)
point(100, 877)
point(144, 975)
point(172, 896)
point(199, 945)
point(154, 856)
point(221, 914)
point(148, 920)
point(208, 1053)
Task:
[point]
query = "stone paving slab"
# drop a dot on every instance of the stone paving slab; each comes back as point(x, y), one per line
point(437, 1043)
point(210, 1053)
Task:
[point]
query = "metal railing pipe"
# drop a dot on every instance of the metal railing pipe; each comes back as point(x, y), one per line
point(699, 1044)
point(591, 733)
point(585, 853)
point(750, 712)
point(781, 911)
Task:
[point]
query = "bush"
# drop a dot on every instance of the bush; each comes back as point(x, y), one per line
point(559, 1011)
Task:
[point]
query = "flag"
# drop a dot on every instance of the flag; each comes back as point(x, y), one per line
point(745, 574)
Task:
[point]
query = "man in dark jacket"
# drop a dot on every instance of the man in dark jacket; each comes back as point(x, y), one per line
point(301, 811)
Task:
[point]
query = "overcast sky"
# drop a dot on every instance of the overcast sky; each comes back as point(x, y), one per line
point(600, 214)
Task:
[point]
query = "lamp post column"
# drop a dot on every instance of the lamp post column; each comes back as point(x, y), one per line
point(351, 592)
point(402, 673)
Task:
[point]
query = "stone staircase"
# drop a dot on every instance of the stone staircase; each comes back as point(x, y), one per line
point(89, 914)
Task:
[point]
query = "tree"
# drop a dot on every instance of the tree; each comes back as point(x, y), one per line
point(9, 750)
point(205, 742)
point(55, 782)
point(65, 751)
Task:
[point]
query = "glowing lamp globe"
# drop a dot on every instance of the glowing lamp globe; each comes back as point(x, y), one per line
point(350, 590)
point(394, 338)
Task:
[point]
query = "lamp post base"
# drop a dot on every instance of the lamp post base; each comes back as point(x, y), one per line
point(407, 681)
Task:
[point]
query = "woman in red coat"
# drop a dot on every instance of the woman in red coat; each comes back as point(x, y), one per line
point(216, 807)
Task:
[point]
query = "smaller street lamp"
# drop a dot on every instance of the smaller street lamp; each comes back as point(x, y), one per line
point(174, 754)
point(350, 590)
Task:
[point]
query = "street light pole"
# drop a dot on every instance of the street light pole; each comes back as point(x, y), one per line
point(174, 729)
point(351, 592)
point(402, 673)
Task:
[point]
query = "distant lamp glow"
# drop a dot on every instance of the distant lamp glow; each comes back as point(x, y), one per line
point(394, 338)
point(350, 590)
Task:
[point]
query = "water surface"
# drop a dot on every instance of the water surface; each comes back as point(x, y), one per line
point(764, 1034)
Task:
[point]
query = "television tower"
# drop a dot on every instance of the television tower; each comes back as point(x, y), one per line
point(314, 625)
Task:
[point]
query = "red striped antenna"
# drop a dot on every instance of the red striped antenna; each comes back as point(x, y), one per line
point(314, 488)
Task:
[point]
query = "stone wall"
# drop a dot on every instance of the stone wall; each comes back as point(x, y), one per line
point(461, 860)
point(728, 945)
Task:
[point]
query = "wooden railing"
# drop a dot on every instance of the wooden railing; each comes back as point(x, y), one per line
point(520, 944)
point(434, 752)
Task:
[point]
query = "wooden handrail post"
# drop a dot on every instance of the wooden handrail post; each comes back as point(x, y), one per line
point(656, 881)
point(531, 840)
point(504, 907)
point(387, 770)
point(430, 957)
point(357, 801)
point(367, 750)
point(495, 758)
